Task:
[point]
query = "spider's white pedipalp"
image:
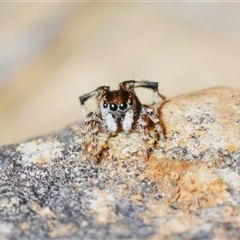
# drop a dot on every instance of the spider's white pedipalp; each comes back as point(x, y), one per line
point(128, 120)
point(111, 125)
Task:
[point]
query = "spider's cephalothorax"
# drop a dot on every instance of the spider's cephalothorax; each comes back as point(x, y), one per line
point(119, 110)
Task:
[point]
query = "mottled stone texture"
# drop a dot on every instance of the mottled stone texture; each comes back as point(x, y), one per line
point(187, 189)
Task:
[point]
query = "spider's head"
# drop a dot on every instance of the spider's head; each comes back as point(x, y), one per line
point(118, 102)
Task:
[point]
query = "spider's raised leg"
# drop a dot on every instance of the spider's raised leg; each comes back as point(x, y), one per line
point(131, 84)
point(98, 92)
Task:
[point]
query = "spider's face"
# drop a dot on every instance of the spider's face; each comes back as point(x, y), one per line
point(118, 109)
point(117, 103)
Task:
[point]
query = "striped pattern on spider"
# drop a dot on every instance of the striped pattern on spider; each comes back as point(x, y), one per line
point(119, 110)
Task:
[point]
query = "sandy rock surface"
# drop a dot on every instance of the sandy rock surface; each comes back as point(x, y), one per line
point(187, 189)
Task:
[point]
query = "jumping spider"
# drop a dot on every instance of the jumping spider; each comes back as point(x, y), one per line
point(119, 110)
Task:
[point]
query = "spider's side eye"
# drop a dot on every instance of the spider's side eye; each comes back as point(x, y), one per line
point(113, 107)
point(105, 105)
point(130, 102)
point(123, 106)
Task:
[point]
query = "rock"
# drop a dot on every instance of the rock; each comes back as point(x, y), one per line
point(187, 189)
point(204, 125)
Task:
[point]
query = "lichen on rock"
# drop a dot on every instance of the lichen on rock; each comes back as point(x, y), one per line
point(188, 188)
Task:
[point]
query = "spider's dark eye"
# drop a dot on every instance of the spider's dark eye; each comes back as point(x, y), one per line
point(105, 105)
point(113, 107)
point(130, 102)
point(123, 106)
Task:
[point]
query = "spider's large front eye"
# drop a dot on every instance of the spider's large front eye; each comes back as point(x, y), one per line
point(113, 107)
point(123, 106)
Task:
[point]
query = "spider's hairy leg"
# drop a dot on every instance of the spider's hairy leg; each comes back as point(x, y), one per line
point(131, 84)
point(90, 135)
point(148, 120)
point(93, 93)
point(142, 126)
point(84, 98)
point(91, 140)
point(155, 119)
point(156, 96)
point(88, 129)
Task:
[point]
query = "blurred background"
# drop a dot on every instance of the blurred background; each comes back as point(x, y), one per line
point(51, 53)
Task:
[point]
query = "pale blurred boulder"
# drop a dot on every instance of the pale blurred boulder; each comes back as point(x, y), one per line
point(51, 53)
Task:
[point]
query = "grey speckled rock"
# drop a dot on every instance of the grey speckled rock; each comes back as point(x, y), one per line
point(204, 125)
point(187, 189)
